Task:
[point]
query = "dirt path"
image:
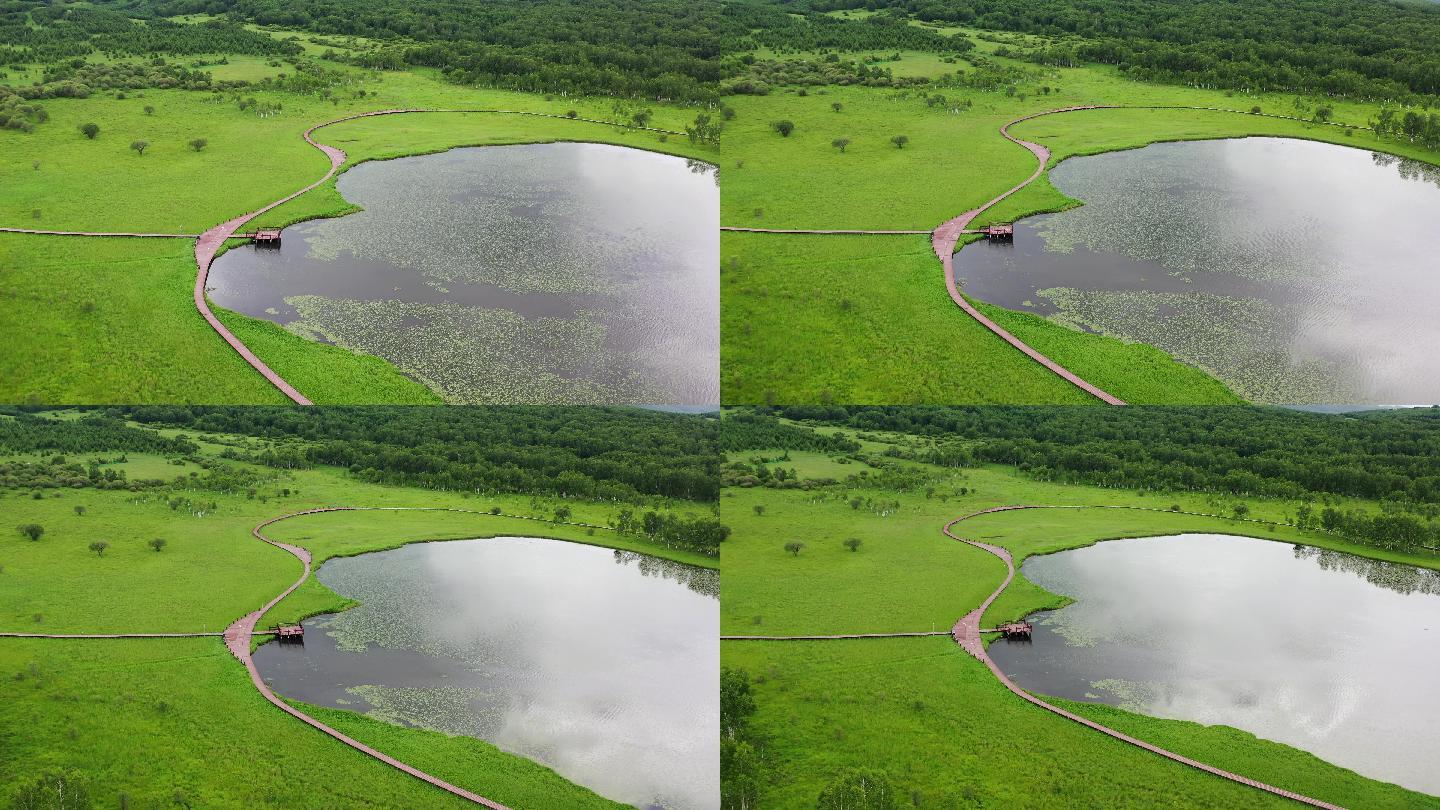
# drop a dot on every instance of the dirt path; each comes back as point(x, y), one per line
point(967, 634)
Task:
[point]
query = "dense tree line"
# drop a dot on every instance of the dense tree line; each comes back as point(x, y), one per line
point(1359, 48)
point(1238, 450)
point(752, 430)
point(37, 31)
point(787, 32)
point(665, 50)
point(22, 432)
point(597, 453)
point(702, 535)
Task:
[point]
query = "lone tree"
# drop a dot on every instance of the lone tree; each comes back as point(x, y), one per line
point(79, 511)
point(900, 141)
point(1255, 110)
point(32, 531)
point(562, 514)
point(90, 130)
point(1241, 511)
point(149, 110)
point(784, 128)
point(99, 547)
point(199, 143)
point(158, 544)
point(853, 544)
point(571, 114)
point(139, 146)
point(794, 547)
point(759, 509)
point(494, 510)
point(836, 106)
point(840, 143)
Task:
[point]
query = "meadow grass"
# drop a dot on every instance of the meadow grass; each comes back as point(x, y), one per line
point(212, 570)
point(177, 722)
point(947, 733)
point(98, 321)
point(867, 320)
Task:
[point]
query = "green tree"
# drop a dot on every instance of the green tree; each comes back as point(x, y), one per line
point(794, 547)
point(840, 143)
point(759, 509)
point(139, 146)
point(198, 144)
point(900, 141)
point(836, 106)
point(737, 703)
point(149, 110)
point(562, 514)
point(158, 544)
point(99, 547)
point(784, 128)
point(858, 789)
point(32, 530)
point(54, 791)
point(79, 511)
point(853, 543)
point(1241, 511)
point(90, 130)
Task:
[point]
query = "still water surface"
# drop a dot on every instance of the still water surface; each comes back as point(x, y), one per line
point(1328, 652)
point(1295, 272)
point(551, 273)
point(601, 664)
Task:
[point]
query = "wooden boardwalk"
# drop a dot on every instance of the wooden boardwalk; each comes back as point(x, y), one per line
point(238, 636)
point(967, 634)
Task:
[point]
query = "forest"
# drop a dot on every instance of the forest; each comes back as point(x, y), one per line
point(663, 50)
point(596, 453)
point(1372, 49)
point(1386, 456)
point(1241, 450)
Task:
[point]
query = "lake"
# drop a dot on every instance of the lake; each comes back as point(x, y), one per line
point(1324, 651)
point(1296, 272)
point(601, 664)
point(542, 273)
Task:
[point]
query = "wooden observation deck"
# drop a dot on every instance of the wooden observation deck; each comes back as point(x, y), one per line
point(1004, 232)
point(1015, 630)
point(267, 238)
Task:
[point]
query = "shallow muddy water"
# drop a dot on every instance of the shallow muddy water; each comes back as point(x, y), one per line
point(555, 273)
point(1296, 272)
point(1328, 652)
point(601, 664)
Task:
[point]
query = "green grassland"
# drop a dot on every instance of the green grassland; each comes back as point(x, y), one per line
point(867, 320)
point(176, 720)
point(56, 585)
point(954, 161)
point(90, 320)
point(935, 719)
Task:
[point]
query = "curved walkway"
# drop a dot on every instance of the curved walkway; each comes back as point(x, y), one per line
point(945, 237)
point(967, 635)
point(238, 637)
point(211, 241)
